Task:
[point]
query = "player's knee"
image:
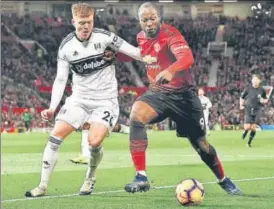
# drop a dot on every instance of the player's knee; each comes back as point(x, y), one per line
point(61, 130)
point(247, 126)
point(253, 127)
point(137, 130)
point(142, 112)
point(95, 139)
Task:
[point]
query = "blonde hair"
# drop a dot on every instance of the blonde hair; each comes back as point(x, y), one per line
point(81, 10)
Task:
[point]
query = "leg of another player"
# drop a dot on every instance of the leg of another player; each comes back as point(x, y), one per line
point(97, 133)
point(209, 156)
point(60, 131)
point(247, 127)
point(207, 125)
point(85, 153)
point(252, 134)
point(141, 114)
point(120, 128)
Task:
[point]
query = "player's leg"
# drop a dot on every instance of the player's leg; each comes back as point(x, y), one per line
point(69, 118)
point(147, 109)
point(206, 116)
point(26, 126)
point(101, 122)
point(247, 123)
point(120, 128)
point(60, 131)
point(83, 157)
point(192, 125)
point(252, 134)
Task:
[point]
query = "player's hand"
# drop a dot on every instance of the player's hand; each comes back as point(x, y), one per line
point(109, 54)
point(242, 107)
point(263, 101)
point(164, 77)
point(47, 114)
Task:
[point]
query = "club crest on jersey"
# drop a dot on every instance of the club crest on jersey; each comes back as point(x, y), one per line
point(148, 59)
point(79, 68)
point(157, 47)
point(75, 53)
point(97, 46)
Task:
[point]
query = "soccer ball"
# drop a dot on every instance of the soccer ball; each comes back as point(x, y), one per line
point(190, 192)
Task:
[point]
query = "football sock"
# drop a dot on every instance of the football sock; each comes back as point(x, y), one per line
point(138, 144)
point(50, 157)
point(124, 129)
point(244, 134)
point(212, 161)
point(96, 155)
point(84, 144)
point(251, 136)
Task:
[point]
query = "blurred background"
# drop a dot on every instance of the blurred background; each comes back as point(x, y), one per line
point(229, 39)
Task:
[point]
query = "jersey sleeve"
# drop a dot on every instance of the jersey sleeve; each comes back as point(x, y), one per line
point(120, 45)
point(183, 54)
point(60, 80)
point(244, 94)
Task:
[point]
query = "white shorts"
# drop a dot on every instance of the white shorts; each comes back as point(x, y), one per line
point(77, 111)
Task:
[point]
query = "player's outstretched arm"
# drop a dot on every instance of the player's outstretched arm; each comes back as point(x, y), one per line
point(120, 45)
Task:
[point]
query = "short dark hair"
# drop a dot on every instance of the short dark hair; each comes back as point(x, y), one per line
point(149, 5)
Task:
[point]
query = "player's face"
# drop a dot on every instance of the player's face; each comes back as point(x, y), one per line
point(83, 26)
point(149, 21)
point(255, 81)
point(201, 92)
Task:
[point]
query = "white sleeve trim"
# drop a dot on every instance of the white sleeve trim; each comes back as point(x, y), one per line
point(59, 83)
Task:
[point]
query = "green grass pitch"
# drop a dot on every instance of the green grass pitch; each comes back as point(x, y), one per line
point(170, 159)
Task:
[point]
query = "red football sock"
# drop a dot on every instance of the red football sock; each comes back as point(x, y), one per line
point(138, 154)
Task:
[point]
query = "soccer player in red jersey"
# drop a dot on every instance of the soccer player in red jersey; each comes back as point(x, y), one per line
point(171, 94)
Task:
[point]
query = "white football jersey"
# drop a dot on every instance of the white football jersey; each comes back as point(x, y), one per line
point(206, 104)
point(93, 77)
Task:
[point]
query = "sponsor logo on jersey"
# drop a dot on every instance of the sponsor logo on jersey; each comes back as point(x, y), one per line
point(148, 59)
point(89, 65)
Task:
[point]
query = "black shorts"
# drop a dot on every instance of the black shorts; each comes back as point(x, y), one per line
point(184, 108)
point(252, 116)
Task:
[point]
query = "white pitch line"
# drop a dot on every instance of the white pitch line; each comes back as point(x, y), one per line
point(119, 191)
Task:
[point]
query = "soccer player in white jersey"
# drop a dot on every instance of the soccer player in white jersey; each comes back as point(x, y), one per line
point(85, 153)
point(206, 104)
point(94, 93)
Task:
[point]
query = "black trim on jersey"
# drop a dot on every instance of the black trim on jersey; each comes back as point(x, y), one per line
point(87, 58)
point(66, 39)
point(99, 30)
point(88, 65)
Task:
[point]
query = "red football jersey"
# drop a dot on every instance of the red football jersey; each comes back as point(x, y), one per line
point(170, 51)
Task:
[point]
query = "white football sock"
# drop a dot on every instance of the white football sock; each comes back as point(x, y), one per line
point(84, 144)
point(124, 129)
point(96, 155)
point(142, 173)
point(50, 157)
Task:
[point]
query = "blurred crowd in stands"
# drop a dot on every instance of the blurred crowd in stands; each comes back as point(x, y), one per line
point(24, 71)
